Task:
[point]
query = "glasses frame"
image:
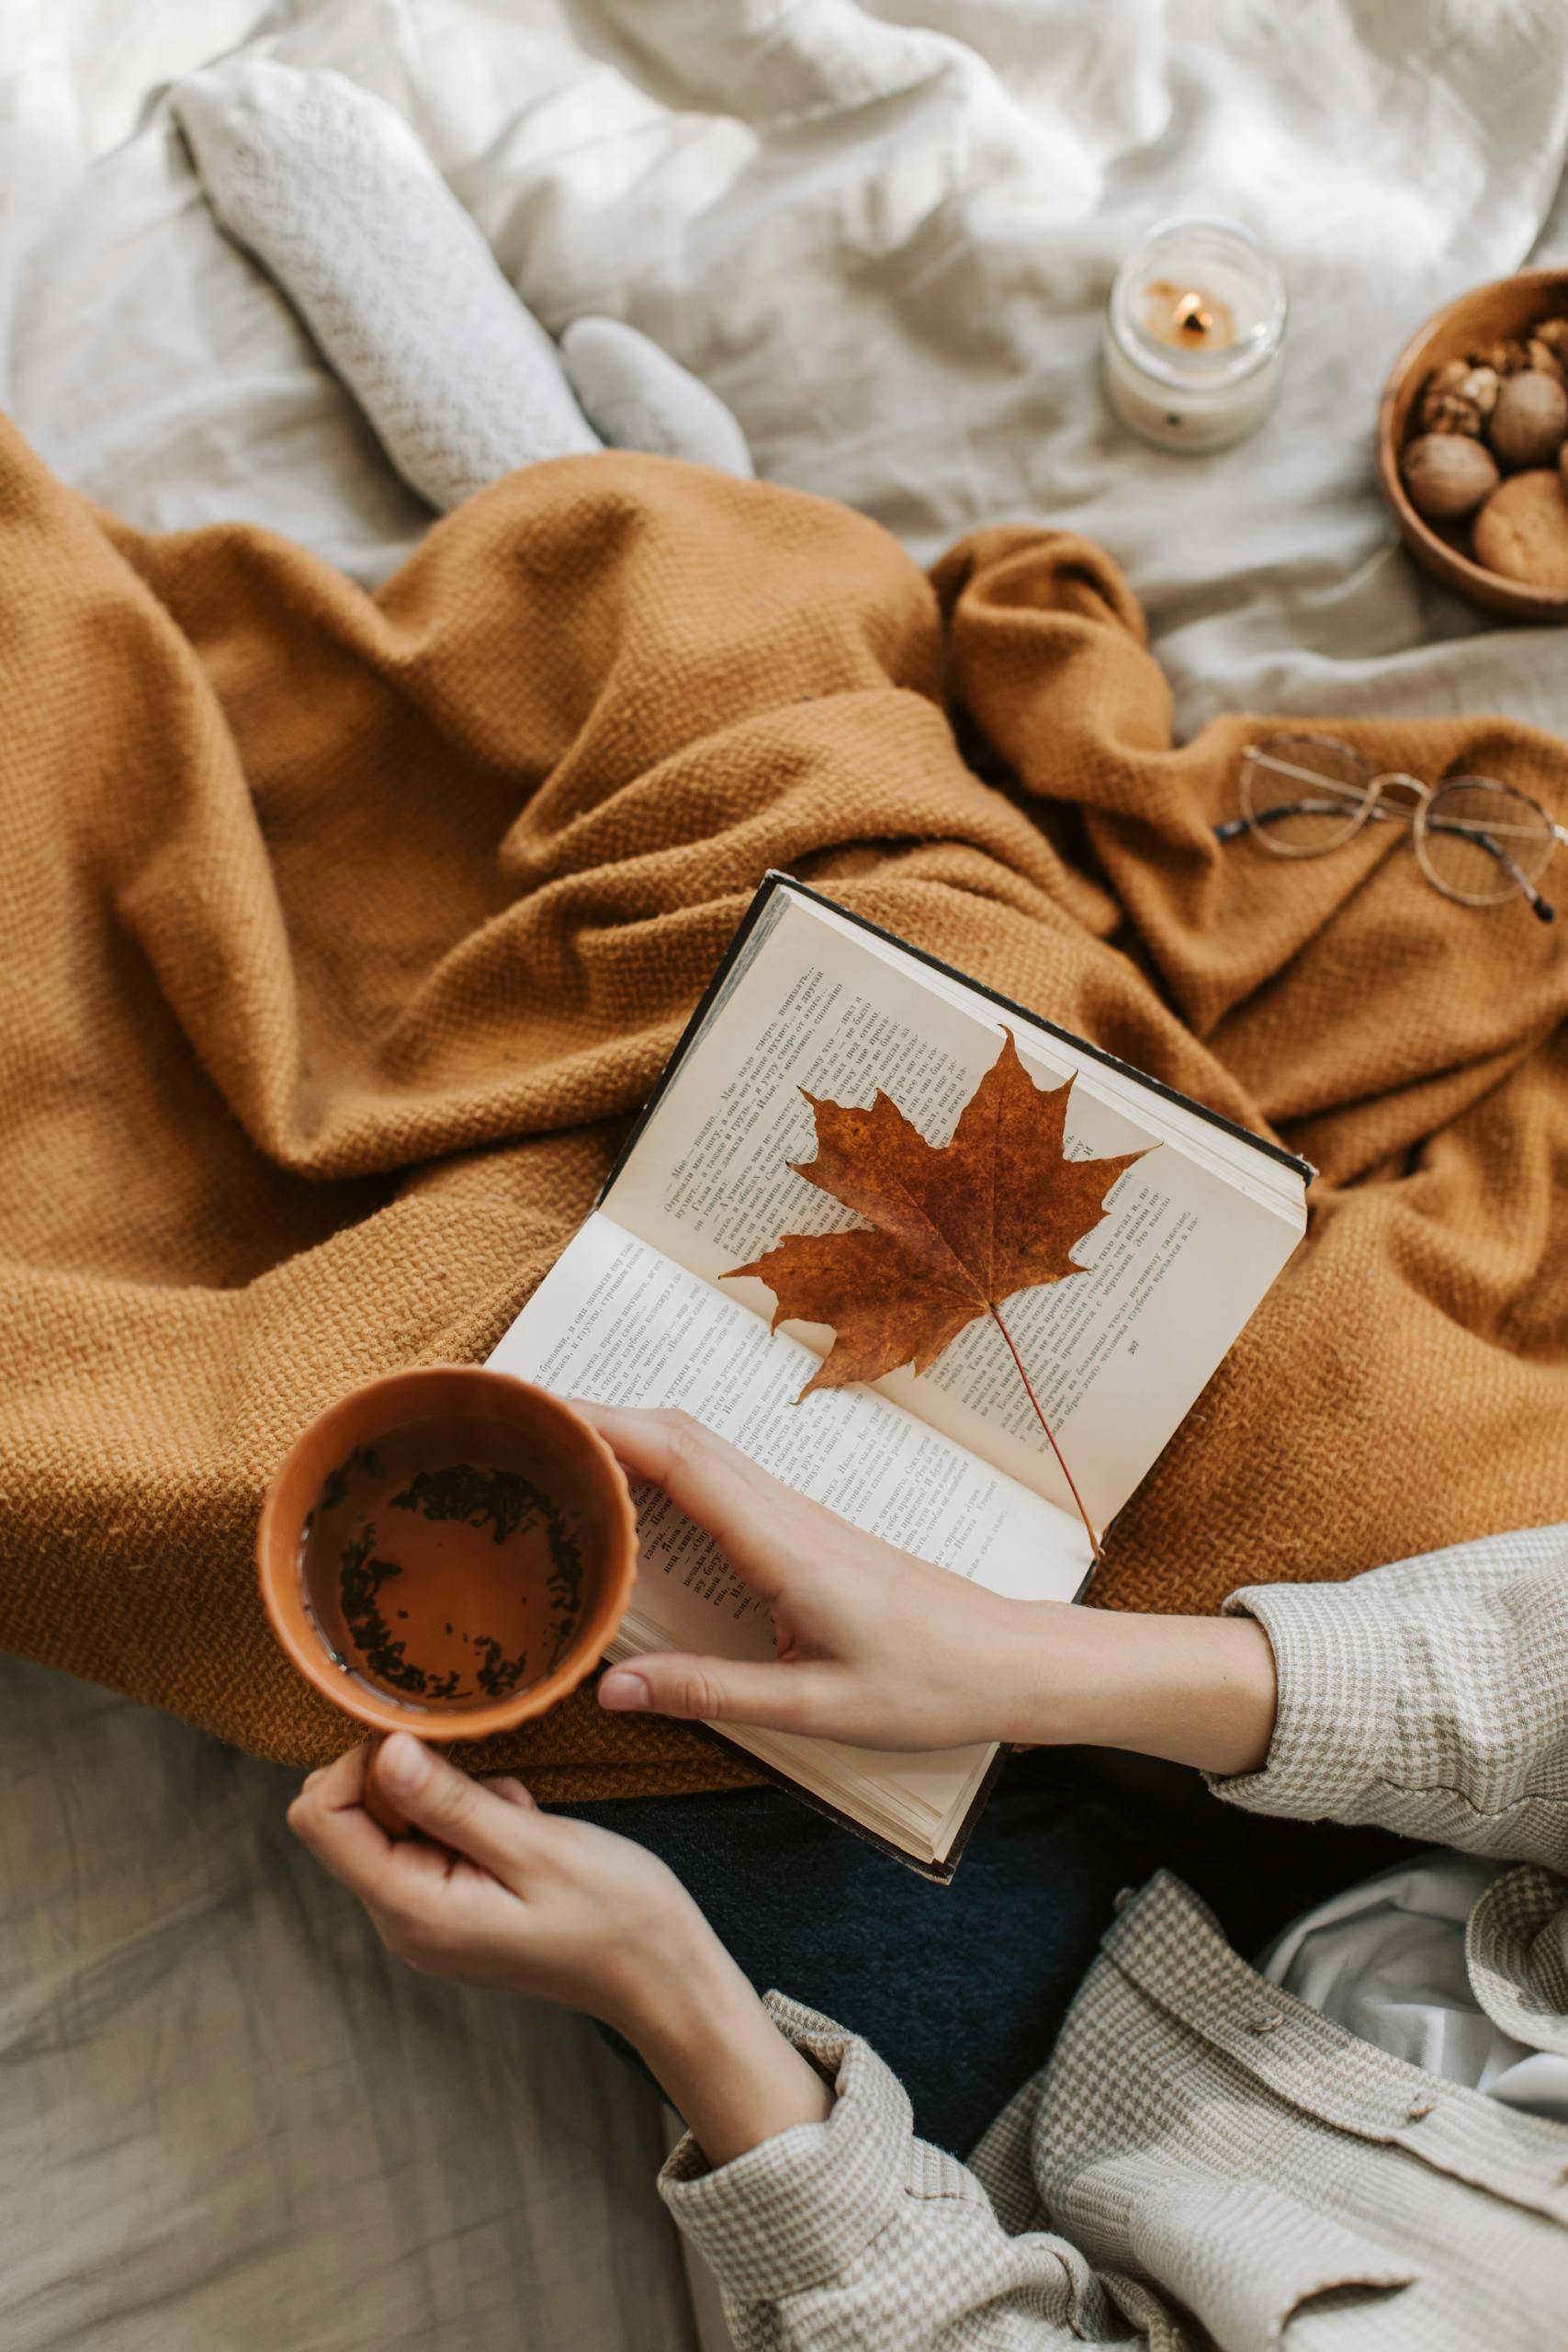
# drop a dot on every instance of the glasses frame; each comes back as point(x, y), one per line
point(1419, 809)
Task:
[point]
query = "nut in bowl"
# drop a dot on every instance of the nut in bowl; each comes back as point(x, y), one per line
point(1473, 445)
point(447, 1552)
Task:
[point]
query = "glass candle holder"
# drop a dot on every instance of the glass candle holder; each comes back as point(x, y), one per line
point(1193, 335)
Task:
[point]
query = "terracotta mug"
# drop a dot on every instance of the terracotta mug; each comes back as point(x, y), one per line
point(447, 1552)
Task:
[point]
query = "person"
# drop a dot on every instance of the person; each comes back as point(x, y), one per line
point(1361, 2141)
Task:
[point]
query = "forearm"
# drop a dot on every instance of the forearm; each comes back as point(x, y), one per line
point(721, 2060)
point(1197, 1690)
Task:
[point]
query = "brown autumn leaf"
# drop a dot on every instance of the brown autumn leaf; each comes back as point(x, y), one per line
point(959, 1226)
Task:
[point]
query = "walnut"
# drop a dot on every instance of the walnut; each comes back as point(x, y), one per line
point(1447, 475)
point(1481, 388)
point(1458, 398)
point(1543, 360)
point(1530, 420)
point(1553, 333)
point(1448, 413)
point(1504, 359)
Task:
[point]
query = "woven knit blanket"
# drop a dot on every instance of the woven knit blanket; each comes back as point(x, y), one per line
point(340, 936)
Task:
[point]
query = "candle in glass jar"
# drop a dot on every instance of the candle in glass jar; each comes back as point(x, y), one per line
point(1193, 335)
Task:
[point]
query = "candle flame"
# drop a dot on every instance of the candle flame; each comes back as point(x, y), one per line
point(1187, 318)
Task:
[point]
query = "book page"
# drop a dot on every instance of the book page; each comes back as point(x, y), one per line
point(1117, 1354)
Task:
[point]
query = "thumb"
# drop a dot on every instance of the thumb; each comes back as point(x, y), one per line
point(447, 1806)
point(715, 1691)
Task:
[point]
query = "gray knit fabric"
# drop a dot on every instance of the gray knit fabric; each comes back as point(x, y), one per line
point(331, 190)
point(1205, 2161)
point(332, 193)
point(635, 397)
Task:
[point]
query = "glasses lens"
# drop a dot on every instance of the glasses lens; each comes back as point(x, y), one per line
point(1302, 795)
point(1481, 842)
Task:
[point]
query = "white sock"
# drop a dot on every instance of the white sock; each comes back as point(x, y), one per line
point(636, 397)
point(331, 190)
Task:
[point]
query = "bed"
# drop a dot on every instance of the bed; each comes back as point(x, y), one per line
point(883, 234)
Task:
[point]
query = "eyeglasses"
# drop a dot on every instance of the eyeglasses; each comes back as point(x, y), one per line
point(1478, 841)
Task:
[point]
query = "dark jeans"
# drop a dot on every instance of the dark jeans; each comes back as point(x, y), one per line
point(963, 1988)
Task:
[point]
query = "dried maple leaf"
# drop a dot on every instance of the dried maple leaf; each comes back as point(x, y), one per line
point(958, 1228)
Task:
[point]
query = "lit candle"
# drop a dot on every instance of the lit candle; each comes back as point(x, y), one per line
point(1192, 335)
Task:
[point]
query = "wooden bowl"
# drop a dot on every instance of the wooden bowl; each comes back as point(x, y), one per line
point(1506, 310)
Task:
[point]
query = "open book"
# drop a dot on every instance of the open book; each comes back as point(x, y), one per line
point(952, 1466)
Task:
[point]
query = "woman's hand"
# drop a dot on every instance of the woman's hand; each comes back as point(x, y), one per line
point(880, 1649)
point(510, 1898)
point(874, 1646)
point(525, 1902)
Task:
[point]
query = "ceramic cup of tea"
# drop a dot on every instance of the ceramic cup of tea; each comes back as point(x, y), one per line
point(447, 1552)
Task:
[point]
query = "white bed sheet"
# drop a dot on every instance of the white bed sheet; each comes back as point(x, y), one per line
point(884, 234)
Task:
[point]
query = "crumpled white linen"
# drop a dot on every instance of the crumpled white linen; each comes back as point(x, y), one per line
point(883, 234)
point(1387, 1961)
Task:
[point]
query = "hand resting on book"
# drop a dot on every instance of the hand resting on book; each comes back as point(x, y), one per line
point(883, 1650)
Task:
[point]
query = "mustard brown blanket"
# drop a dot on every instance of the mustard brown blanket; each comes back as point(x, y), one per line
point(340, 936)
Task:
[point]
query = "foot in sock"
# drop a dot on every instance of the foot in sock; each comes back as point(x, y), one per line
point(636, 397)
point(331, 191)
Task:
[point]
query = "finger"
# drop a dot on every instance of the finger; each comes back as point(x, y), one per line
point(330, 1821)
point(508, 1787)
point(659, 1442)
point(339, 1783)
point(461, 1814)
point(710, 1480)
point(715, 1690)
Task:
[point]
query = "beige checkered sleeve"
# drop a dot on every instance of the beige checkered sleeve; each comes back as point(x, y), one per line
point(1431, 1697)
point(852, 2235)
